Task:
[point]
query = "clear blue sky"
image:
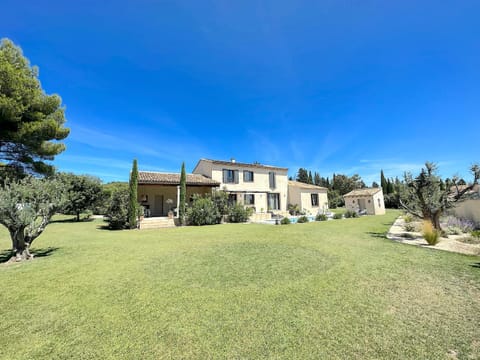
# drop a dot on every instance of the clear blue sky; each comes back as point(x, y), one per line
point(332, 86)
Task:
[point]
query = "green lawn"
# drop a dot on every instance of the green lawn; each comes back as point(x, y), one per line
point(325, 290)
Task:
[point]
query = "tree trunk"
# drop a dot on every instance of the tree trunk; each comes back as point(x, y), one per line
point(78, 216)
point(436, 221)
point(20, 247)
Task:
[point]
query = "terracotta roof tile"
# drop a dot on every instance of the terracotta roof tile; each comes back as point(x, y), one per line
point(305, 186)
point(158, 178)
point(239, 164)
point(363, 192)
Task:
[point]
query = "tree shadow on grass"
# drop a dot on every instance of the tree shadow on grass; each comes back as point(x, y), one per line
point(71, 220)
point(476, 265)
point(381, 235)
point(6, 255)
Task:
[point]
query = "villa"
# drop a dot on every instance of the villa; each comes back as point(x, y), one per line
point(264, 188)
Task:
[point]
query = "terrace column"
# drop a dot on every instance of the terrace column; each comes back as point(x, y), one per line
point(178, 201)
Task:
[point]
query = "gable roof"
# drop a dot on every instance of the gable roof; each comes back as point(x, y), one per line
point(363, 192)
point(159, 178)
point(239, 164)
point(305, 186)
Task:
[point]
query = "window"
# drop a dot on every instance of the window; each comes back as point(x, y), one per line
point(314, 199)
point(232, 199)
point(249, 199)
point(230, 176)
point(273, 201)
point(247, 176)
point(271, 178)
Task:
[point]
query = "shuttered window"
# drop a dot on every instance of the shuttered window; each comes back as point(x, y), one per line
point(271, 178)
point(230, 176)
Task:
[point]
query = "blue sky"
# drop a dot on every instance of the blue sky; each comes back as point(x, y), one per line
point(332, 86)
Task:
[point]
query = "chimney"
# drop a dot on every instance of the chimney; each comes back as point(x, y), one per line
point(232, 160)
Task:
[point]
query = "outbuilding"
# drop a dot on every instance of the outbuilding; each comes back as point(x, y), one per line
point(367, 201)
point(311, 199)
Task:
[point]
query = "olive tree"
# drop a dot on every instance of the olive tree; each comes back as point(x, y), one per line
point(425, 197)
point(26, 208)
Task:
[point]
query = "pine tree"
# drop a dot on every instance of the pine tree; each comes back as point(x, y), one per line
point(183, 192)
point(132, 199)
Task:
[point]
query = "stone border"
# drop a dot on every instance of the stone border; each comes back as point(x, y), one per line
point(398, 233)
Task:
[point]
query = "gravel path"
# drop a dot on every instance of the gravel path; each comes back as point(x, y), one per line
point(398, 233)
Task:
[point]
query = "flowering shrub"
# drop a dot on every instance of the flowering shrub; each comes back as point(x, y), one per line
point(456, 226)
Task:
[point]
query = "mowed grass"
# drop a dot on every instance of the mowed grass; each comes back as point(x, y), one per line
point(324, 290)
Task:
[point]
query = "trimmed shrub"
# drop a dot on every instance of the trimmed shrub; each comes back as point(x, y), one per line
point(408, 218)
point(302, 219)
point(203, 212)
point(350, 214)
point(338, 216)
point(238, 213)
point(285, 221)
point(476, 233)
point(117, 211)
point(430, 234)
point(321, 217)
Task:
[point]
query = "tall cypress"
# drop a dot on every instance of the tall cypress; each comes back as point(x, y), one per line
point(383, 182)
point(310, 179)
point(183, 192)
point(132, 199)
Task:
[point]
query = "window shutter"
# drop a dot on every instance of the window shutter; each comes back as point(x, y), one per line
point(235, 176)
point(272, 180)
point(225, 176)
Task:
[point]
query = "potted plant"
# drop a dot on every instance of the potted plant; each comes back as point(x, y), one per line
point(170, 208)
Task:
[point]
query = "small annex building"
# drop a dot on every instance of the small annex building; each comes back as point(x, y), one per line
point(367, 201)
point(311, 199)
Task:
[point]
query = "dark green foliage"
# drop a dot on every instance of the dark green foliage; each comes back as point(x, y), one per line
point(203, 212)
point(383, 182)
point(117, 211)
point(183, 193)
point(220, 199)
point(335, 199)
point(285, 221)
point(31, 122)
point(132, 199)
point(344, 184)
point(321, 217)
point(302, 175)
point(239, 214)
point(375, 185)
point(82, 193)
point(476, 233)
point(302, 219)
point(310, 178)
point(390, 186)
point(317, 180)
point(350, 214)
point(338, 216)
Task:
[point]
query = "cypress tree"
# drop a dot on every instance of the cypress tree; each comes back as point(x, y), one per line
point(390, 187)
point(383, 182)
point(183, 192)
point(132, 198)
point(310, 179)
point(316, 179)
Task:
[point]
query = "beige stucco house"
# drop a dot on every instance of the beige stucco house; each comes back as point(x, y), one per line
point(369, 201)
point(159, 192)
point(262, 187)
point(311, 199)
point(470, 208)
